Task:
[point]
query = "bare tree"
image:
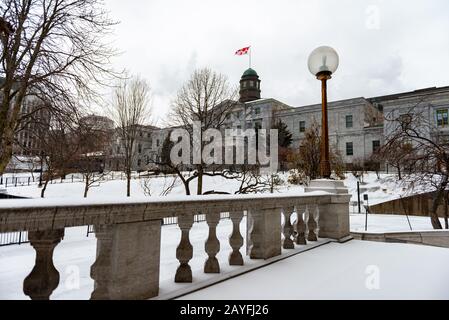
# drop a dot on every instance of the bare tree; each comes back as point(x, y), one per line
point(94, 142)
point(170, 182)
point(54, 50)
point(130, 111)
point(427, 165)
point(207, 98)
point(59, 149)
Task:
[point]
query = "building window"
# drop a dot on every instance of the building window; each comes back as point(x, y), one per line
point(244, 84)
point(349, 149)
point(349, 121)
point(139, 162)
point(139, 148)
point(251, 83)
point(257, 110)
point(302, 126)
point(442, 117)
point(157, 143)
point(376, 145)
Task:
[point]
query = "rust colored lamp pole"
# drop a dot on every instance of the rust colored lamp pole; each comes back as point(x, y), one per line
point(323, 62)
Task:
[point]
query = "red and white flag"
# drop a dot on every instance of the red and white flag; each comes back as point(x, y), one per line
point(242, 51)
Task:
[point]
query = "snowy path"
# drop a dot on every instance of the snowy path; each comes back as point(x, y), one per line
point(354, 270)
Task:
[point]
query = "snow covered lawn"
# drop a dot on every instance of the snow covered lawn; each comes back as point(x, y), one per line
point(389, 223)
point(379, 190)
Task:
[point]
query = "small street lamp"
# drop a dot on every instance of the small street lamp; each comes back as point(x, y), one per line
point(323, 62)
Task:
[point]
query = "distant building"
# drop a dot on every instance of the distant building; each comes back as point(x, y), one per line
point(97, 122)
point(357, 126)
point(35, 122)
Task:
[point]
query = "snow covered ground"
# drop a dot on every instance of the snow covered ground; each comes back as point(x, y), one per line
point(379, 190)
point(354, 270)
point(76, 253)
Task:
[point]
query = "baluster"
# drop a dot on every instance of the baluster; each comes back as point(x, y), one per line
point(311, 223)
point(101, 269)
point(184, 252)
point(44, 278)
point(265, 234)
point(287, 229)
point(236, 239)
point(212, 245)
point(300, 226)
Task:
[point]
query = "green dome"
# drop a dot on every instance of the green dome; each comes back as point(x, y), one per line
point(250, 73)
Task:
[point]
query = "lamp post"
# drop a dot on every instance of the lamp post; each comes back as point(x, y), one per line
point(323, 62)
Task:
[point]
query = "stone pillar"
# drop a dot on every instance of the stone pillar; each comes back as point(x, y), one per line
point(44, 278)
point(212, 245)
point(265, 234)
point(333, 216)
point(287, 229)
point(184, 252)
point(311, 223)
point(236, 239)
point(300, 225)
point(128, 261)
point(334, 219)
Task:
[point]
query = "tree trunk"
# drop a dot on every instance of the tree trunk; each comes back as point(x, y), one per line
point(86, 187)
point(6, 154)
point(128, 184)
point(45, 187)
point(436, 224)
point(200, 181)
point(446, 207)
point(399, 173)
point(186, 186)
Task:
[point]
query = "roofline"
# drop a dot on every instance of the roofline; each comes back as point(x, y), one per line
point(409, 93)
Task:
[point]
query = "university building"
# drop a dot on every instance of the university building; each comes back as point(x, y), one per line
point(357, 126)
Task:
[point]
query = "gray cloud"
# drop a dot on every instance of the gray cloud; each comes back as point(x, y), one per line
point(384, 46)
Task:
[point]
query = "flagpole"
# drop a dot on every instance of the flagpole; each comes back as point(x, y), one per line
point(250, 57)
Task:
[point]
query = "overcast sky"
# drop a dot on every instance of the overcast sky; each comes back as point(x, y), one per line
point(385, 46)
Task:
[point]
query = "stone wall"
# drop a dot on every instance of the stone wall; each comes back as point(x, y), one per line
point(428, 238)
point(417, 205)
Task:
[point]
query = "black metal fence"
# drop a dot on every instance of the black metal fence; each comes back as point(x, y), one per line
point(196, 218)
point(171, 221)
point(11, 238)
point(21, 181)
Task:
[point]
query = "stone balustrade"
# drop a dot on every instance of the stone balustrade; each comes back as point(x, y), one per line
point(129, 235)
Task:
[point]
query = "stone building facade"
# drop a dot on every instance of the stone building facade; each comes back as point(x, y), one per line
point(357, 126)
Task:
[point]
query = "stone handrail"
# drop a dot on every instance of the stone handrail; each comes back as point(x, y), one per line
point(129, 234)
